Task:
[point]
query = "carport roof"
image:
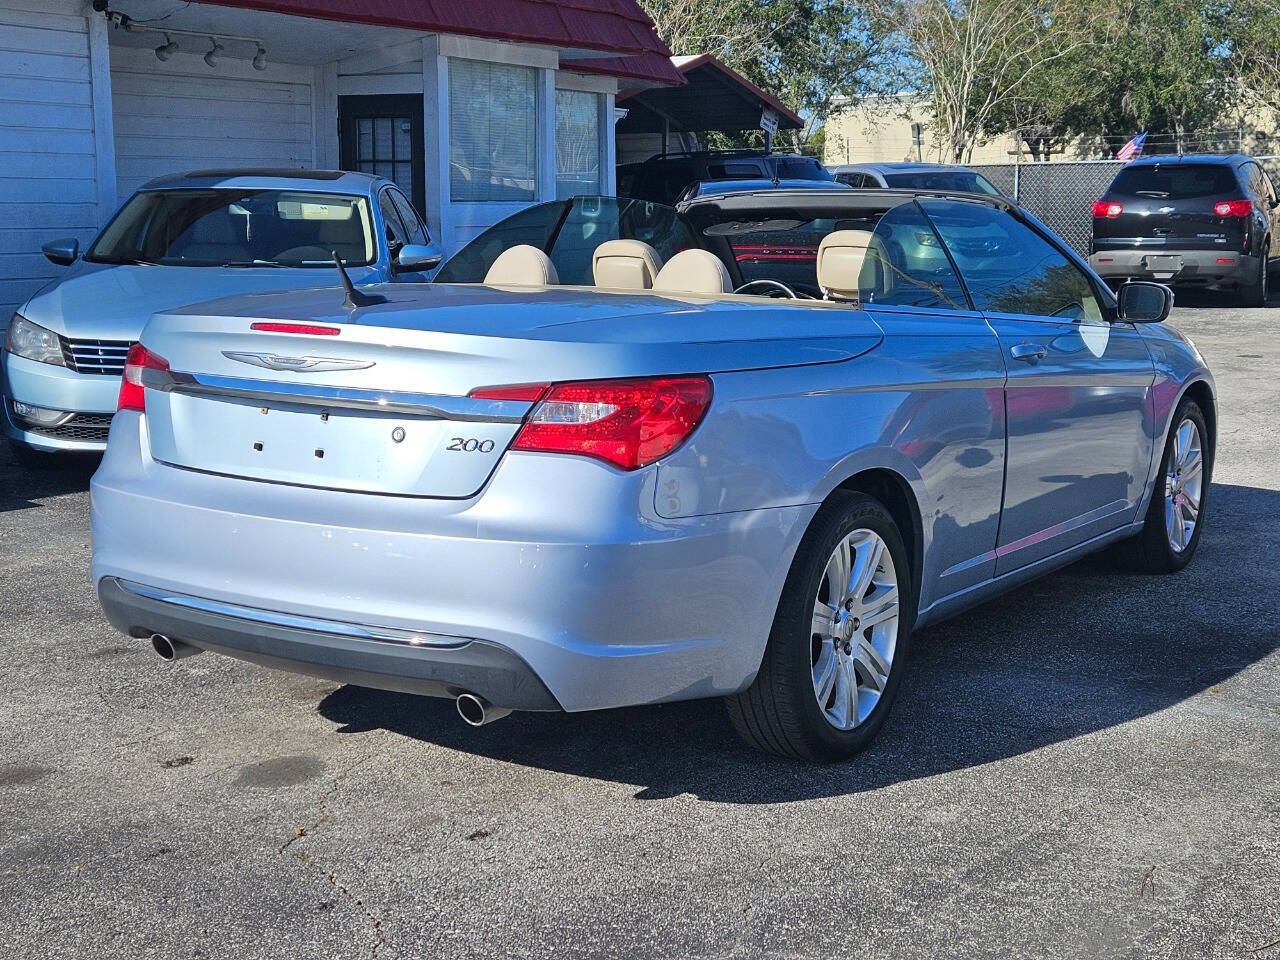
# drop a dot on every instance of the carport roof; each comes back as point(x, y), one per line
point(715, 97)
point(618, 27)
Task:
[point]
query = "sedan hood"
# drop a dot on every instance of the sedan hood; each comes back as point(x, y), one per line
point(104, 302)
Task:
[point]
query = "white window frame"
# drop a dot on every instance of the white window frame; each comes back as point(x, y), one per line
point(607, 88)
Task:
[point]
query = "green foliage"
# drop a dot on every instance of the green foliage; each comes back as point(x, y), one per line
point(805, 52)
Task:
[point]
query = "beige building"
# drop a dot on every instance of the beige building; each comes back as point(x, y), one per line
point(879, 131)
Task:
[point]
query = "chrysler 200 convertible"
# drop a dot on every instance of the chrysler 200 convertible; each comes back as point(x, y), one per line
point(622, 454)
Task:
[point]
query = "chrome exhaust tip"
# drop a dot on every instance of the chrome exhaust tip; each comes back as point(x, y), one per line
point(171, 650)
point(477, 711)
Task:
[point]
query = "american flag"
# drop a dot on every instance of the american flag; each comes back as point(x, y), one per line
point(1133, 149)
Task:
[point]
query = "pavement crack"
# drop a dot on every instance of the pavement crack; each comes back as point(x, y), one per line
point(322, 811)
point(301, 855)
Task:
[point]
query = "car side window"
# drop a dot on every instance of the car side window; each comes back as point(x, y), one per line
point(856, 180)
point(409, 217)
point(397, 232)
point(1008, 267)
point(906, 265)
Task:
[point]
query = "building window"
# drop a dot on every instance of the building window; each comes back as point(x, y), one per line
point(493, 148)
point(577, 144)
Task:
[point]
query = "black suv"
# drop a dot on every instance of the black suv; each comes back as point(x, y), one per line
point(663, 178)
point(1198, 219)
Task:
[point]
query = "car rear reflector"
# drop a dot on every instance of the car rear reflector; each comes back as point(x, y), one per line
point(1107, 209)
point(628, 423)
point(516, 391)
point(307, 328)
point(1226, 259)
point(1233, 208)
point(132, 395)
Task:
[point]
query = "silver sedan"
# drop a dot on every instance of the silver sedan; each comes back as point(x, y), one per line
point(621, 454)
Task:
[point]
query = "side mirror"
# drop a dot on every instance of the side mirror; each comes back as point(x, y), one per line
point(1145, 302)
point(418, 256)
point(62, 252)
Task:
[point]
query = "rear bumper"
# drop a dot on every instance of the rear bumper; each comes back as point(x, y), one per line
point(56, 388)
point(1186, 266)
point(430, 665)
point(562, 563)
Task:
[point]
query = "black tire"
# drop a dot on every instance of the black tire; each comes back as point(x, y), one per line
point(1150, 551)
point(779, 713)
point(31, 459)
point(1255, 294)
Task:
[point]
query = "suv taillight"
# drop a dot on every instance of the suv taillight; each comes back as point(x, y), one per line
point(1107, 209)
point(132, 394)
point(1233, 208)
point(629, 423)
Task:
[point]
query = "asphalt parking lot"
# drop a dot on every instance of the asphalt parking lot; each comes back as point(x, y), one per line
point(1087, 767)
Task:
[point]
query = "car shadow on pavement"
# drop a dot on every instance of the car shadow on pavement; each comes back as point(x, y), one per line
point(1072, 654)
point(1077, 652)
point(21, 488)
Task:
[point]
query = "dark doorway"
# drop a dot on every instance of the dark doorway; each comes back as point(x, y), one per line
point(383, 136)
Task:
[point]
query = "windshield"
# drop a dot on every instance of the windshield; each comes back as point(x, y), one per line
point(1175, 181)
point(238, 228)
point(800, 168)
point(960, 181)
point(569, 231)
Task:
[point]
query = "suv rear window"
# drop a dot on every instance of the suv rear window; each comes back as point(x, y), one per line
point(1176, 181)
point(800, 168)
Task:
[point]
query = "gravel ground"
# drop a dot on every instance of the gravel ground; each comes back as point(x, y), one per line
point(1089, 766)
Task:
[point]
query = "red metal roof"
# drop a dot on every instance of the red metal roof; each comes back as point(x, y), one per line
point(610, 26)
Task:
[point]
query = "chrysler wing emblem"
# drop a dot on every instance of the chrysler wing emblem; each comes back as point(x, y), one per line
point(273, 361)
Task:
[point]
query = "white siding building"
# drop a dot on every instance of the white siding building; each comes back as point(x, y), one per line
point(474, 122)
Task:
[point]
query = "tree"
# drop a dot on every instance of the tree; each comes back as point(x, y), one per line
point(1253, 55)
point(971, 59)
point(1156, 65)
point(806, 52)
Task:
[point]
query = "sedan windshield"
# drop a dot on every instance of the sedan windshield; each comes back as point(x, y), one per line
point(238, 228)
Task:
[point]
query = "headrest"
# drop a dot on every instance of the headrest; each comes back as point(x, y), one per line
point(215, 227)
point(340, 231)
point(841, 255)
point(694, 271)
point(522, 266)
point(625, 265)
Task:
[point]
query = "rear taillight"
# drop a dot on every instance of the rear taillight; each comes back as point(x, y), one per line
point(132, 395)
point(1107, 209)
point(629, 423)
point(1233, 208)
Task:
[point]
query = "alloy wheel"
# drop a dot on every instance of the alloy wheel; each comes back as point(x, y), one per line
point(1183, 486)
point(855, 629)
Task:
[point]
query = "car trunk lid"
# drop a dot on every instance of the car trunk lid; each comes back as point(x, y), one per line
point(382, 405)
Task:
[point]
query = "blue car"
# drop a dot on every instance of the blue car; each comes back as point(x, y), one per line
point(180, 240)
point(615, 454)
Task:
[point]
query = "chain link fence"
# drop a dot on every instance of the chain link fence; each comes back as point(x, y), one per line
point(1061, 193)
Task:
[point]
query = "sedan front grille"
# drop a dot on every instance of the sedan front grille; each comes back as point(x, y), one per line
point(84, 427)
point(101, 357)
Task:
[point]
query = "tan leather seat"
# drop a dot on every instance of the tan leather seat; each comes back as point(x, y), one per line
point(625, 265)
point(694, 271)
point(841, 257)
point(522, 266)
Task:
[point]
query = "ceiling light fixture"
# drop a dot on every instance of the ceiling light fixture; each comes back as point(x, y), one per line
point(211, 58)
point(260, 58)
point(166, 49)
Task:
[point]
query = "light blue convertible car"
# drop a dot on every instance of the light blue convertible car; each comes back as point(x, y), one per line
point(180, 240)
point(622, 454)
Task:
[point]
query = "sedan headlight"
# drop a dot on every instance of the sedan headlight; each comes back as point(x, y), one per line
point(33, 342)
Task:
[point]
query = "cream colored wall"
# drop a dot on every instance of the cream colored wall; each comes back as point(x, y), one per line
point(880, 132)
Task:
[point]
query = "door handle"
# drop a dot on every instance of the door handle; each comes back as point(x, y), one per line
point(1028, 352)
